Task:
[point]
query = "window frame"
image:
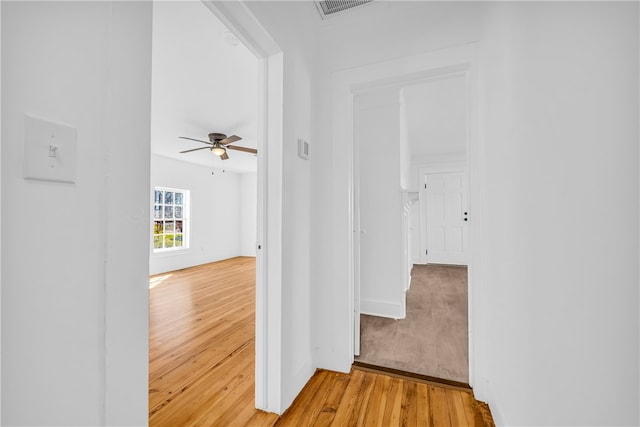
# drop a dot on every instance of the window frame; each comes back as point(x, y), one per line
point(186, 218)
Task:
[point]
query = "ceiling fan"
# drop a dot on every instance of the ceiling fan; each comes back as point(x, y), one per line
point(218, 144)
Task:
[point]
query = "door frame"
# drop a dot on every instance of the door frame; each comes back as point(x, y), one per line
point(0, 211)
point(244, 25)
point(357, 229)
point(344, 85)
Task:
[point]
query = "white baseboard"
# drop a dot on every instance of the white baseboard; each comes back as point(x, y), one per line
point(484, 393)
point(446, 260)
point(297, 383)
point(382, 309)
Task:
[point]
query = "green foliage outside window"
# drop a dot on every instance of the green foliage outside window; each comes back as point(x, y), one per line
point(169, 219)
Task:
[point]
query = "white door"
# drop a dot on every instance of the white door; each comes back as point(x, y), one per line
point(378, 235)
point(446, 218)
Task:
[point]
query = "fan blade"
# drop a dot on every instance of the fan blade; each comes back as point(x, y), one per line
point(191, 139)
point(196, 149)
point(245, 149)
point(230, 140)
point(224, 156)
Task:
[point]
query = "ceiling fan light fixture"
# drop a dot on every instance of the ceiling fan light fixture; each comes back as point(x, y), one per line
point(218, 144)
point(218, 149)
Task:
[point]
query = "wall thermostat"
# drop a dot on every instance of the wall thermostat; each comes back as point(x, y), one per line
point(303, 149)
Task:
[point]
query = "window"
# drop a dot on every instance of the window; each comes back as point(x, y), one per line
point(170, 219)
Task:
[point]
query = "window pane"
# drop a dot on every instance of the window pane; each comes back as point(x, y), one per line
point(168, 212)
point(168, 197)
point(169, 218)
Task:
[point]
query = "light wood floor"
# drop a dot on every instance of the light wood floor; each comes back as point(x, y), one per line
point(364, 398)
point(201, 366)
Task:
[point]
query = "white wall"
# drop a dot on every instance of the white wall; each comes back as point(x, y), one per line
point(222, 213)
point(296, 301)
point(377, 130)
point(405, 147)
point(557, 313)
point(74, 285)
point(282, 20)
point(437, 116)
point(445, 163)
point(248, 211)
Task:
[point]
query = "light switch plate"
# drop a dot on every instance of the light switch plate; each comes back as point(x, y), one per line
point(50, 150)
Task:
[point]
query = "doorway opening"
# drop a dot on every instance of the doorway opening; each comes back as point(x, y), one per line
point(203, 249)
point(375, 82)
point(415, 238)
point(236, 30)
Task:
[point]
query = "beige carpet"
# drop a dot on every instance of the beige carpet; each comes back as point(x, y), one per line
point(432, 340)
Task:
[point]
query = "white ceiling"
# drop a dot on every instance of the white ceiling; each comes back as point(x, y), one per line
point(201, 83)
point(436, 118)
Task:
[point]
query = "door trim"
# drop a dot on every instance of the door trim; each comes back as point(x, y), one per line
point(0, 213)
point(268, 374)
point(357, 303)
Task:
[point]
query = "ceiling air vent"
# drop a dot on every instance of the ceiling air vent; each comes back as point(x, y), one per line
point(328, 8)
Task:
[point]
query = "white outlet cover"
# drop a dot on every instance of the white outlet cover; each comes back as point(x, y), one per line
point(50, 150)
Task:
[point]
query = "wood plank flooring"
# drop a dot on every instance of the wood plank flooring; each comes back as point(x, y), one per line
point(364, 398)
point(201, 366)
point(201, 345)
